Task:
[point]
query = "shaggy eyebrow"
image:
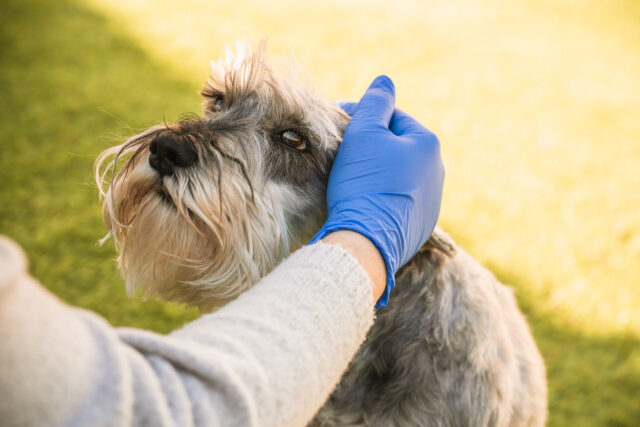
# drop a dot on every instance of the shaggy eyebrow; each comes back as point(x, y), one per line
point(211, 92)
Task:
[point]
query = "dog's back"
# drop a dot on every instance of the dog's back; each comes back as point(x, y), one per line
point(451, 349)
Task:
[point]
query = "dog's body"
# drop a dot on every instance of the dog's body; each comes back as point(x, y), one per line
point(204, 208)
point(451, 349)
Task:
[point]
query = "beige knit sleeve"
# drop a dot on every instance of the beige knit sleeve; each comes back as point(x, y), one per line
point(269, 358)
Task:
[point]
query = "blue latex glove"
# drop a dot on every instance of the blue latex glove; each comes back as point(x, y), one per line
point(386, 180)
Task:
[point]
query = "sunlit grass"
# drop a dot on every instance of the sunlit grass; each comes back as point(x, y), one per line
point(537, 105)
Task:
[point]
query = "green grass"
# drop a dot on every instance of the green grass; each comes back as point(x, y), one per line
point(537, 105)
point(66, 77)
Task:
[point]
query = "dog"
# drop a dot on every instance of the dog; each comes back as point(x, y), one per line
point(201, 209)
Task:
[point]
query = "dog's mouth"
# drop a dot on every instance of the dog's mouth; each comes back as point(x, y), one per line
point(167, 200)
point(164, 196)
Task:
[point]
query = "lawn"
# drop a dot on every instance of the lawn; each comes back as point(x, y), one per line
point(537, 105)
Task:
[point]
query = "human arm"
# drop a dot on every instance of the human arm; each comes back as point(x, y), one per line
point(271, 357)
point(367, 255)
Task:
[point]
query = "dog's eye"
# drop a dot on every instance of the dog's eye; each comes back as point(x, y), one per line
point(293, 140)
point(219, 103)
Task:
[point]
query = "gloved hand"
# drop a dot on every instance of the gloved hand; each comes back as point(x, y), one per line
point(386, 181)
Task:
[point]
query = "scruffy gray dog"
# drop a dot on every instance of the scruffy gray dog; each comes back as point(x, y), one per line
point(203, 208)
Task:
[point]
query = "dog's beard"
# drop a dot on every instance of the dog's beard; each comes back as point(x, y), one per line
point(202, 235)
point(195, 238)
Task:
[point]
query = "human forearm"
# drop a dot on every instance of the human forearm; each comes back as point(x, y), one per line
point(294, 333)
point(367, 255)
point(269, 358)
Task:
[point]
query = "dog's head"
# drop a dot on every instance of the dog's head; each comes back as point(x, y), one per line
point(201, 209)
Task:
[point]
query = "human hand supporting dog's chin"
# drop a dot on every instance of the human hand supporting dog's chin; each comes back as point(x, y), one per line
point(385, 184)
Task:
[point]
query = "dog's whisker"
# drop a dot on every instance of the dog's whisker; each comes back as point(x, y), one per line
point(104, 239)
point(182, 261)
point(243, 170)
point(216, 156)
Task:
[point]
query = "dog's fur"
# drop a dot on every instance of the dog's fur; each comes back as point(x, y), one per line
point(451, 349)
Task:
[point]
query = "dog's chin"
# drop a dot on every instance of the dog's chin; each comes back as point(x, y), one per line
point(186, 243)
point(159, 251)
point(164, 254)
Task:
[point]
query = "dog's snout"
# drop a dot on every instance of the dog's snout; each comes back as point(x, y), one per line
point(168, 153)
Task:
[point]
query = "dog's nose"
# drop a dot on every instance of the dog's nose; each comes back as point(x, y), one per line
point(167, 153)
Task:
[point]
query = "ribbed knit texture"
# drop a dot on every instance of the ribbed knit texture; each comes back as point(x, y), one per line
point(269, 358)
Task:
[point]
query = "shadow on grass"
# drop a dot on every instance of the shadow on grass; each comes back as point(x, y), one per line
point(593, 380)
point(66, 72)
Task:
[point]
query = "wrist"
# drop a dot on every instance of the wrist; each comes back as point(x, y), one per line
point(374, 225)
point(366, 253)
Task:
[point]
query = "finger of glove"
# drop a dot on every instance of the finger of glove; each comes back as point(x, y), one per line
point(403, 124)
point(376, 105)
point(348, 107)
